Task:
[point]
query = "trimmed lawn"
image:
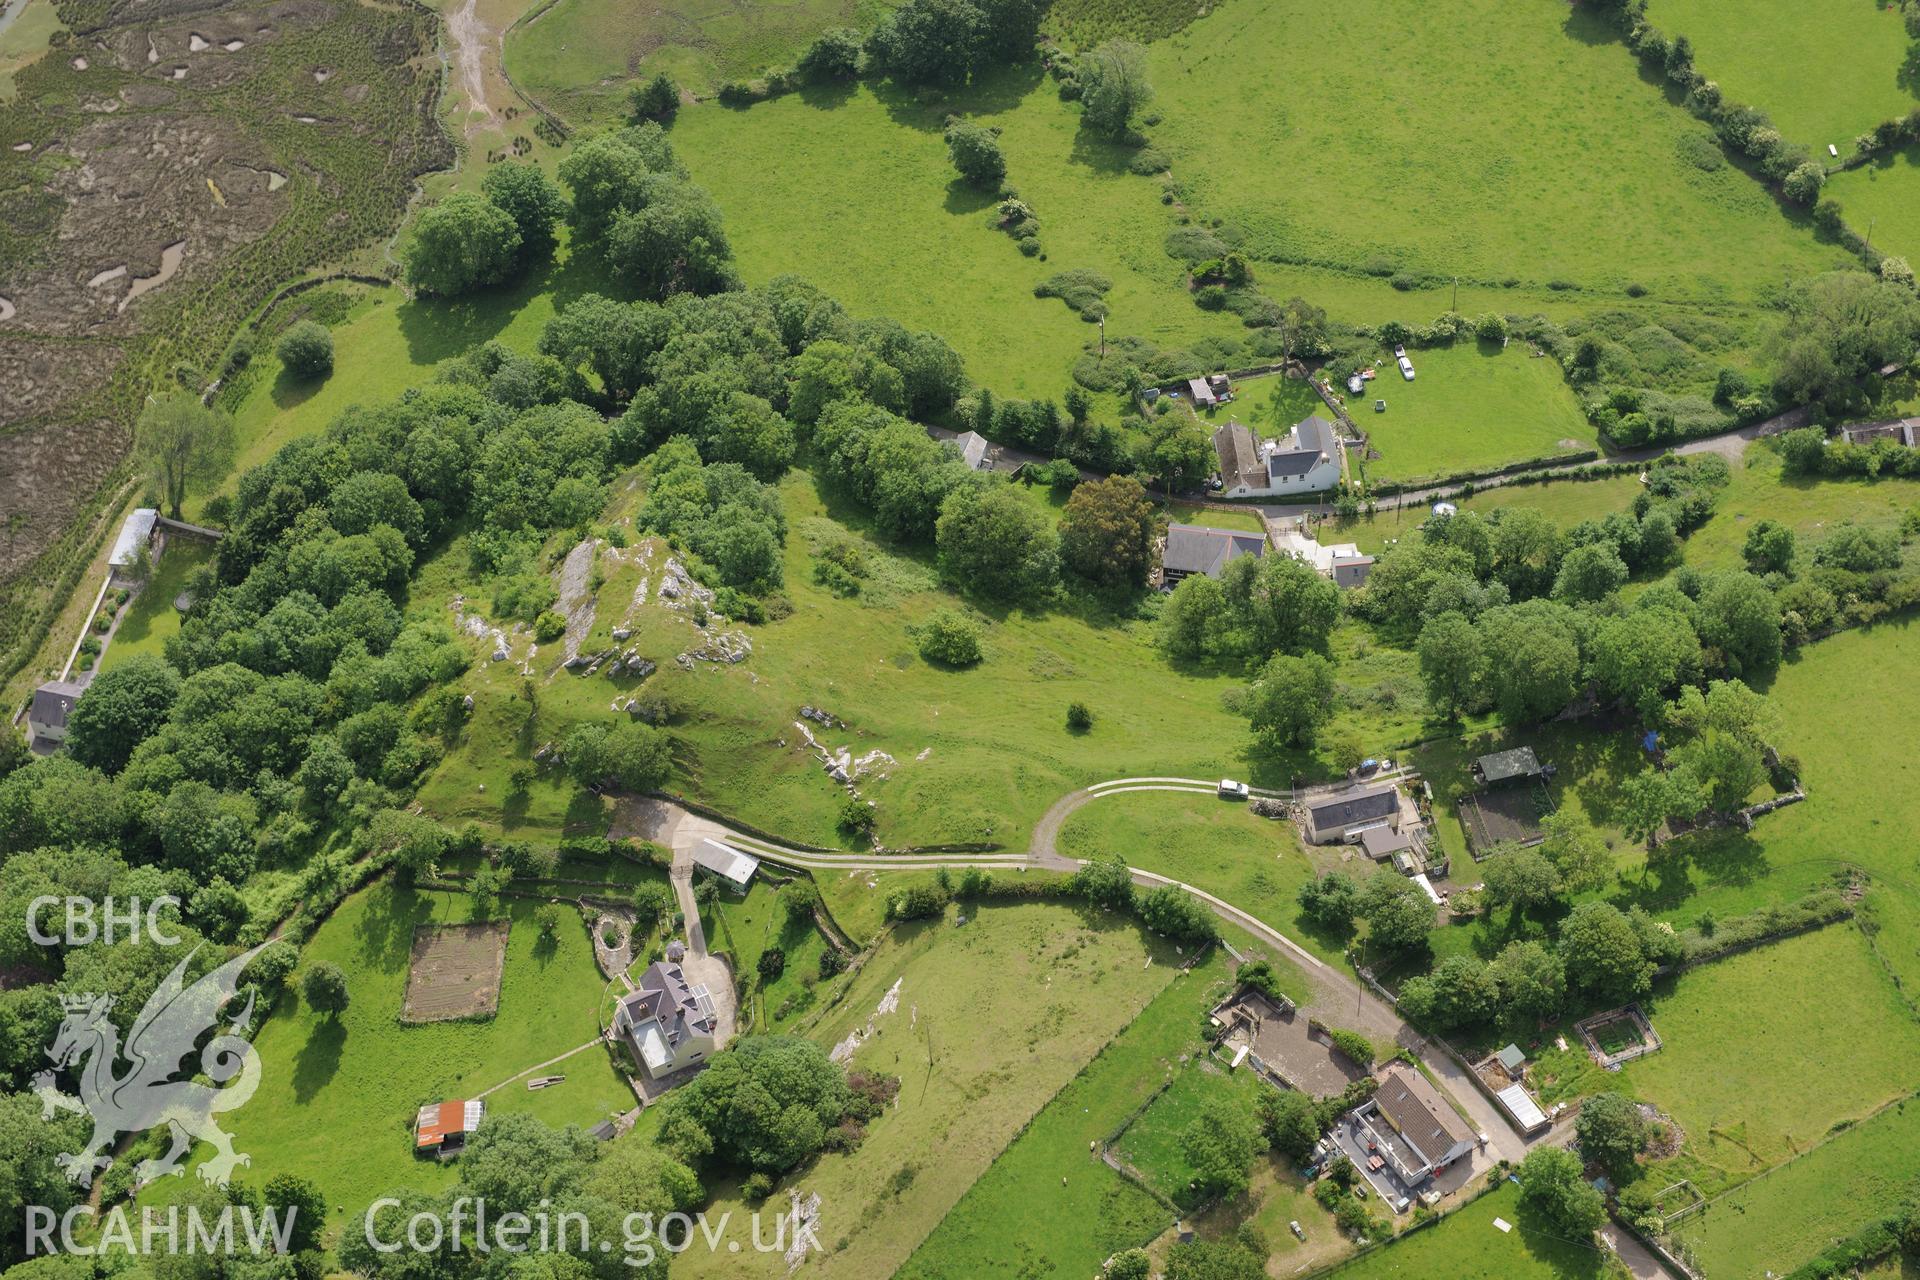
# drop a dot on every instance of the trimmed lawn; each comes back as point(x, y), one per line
point(1152, 1143)
point(337, 1097)
point(1258, 864)
point(993, 1017)
point(1466, 1245)
point(151, 618)
point(1049, 1205)
point(1311, 130)
point(1471, 406)
point(1775, 1223)
point(889, 230)
point(1744, 1039)
point(1824, 77)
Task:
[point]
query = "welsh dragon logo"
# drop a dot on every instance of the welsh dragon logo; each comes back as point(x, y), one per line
point(147, 1095)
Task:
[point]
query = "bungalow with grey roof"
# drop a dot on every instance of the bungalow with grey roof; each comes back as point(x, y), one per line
point(1195, 549)
point(47, 714)
point(1345, 814)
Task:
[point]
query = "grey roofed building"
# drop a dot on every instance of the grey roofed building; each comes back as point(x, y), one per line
point(1329, 821)
point(1239, 454)
point(1193, 549)
point(670, 1023)
point(47, 715)
point(135, 532)
point(1421, 1116)
point(1510, 765)
point(975, 449)
point(1381, 843)
point(1311, 443)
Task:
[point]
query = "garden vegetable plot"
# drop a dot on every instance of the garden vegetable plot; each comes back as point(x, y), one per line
point(455, 972)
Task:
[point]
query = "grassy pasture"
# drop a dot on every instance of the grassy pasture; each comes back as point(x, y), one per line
point(1310, 129)
point(1884, 197)
point(1775, 1223)
point(579, 56)
point(1744, 1039)
point(1565, 502)
point(337, 1098)
point(1810, 507)
point(1823, 77)
point(890, 231)
point(993, 1018)
point(1471, 405)
point(1257, 864)
point(1152, 1143)
point(1466, 1245)
point(1049, 1205)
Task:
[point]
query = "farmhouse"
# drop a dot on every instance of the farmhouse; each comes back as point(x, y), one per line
point(1307, 460)
point(669, 1024)
point(975, 450)
point(1411, 1126)
point(1194, 549)
point(135, 534)
point(1347, 814)
point(47, 716)
point(441, 1128)
point(1517, 764)
point(728, 863)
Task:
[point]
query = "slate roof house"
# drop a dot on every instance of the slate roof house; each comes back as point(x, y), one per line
point(1412, 1125)
point(669, 1024)
point(975, 450)
point(1348, 813)
point(1306, 461)
point(47, 715)
point(1904, 431)
point(1193, 549)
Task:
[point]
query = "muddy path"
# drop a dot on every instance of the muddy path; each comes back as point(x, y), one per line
point(474, 45)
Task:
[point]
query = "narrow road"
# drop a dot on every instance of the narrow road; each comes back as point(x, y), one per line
point(1338, 997)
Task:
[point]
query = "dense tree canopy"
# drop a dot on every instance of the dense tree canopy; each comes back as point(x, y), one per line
point(463, 243)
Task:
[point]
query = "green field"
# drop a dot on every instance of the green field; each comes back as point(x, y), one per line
point(1743, 1039)
point(1049, 1205)
point(1565, 502)
point(150, 617)
point(1775, 1223)
point(1257, 864)
point(1152, 1144)
point(1809, 506)
point(889, 231)
point(1883, 199)
point(1552, 160)
point(337, 1097)
point(1471, 406)
point(1824, 76)
point(978, 754)
point(993, 1018)
point(579, 56)
point(1466, 1245)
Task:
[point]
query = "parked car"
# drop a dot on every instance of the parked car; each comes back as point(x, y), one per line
point(1299, 1232)
point(1231, 790)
